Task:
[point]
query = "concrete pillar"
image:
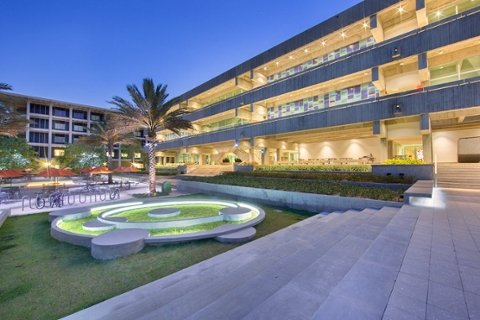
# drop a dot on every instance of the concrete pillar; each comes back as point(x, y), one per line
point(376, 28)
point(266, 157)
point(421, 12)
point(383, 151)
point(427, 148)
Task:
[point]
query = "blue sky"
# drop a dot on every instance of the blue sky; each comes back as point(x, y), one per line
point(88, 51)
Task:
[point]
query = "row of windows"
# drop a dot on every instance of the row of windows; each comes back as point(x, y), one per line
point(62, 112)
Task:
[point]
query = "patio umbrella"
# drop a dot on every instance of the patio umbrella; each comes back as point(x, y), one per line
point(54, 172)
point(11, 173)
point(125, 169)
point(100, 170)
point(86, 170)
point(18, 171)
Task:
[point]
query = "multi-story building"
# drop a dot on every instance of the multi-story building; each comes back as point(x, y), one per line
point(55, 123)
point(387, 78)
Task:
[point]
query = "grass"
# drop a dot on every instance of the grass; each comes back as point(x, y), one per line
point(42, 278)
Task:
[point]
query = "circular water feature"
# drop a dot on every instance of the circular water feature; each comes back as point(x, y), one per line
point(164, 221)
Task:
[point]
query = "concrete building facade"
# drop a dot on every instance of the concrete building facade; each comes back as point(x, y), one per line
point(394, 79)
point(57, 123)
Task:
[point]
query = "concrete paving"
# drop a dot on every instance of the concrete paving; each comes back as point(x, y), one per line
point(421, 261)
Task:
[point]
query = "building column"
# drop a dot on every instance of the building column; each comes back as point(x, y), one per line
point(383, 156)
point(421, 12)
point(426, 131)
point(376, 28)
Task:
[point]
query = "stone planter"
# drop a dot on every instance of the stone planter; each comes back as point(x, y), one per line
point(421, 171)
point(182, 169)
point(243, 168)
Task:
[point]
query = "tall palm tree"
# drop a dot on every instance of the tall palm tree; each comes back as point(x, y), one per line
point(113, 130)
point(11, 123)
point(152, 111)
point(5, 86)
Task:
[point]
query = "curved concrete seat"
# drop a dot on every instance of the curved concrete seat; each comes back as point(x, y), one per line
point(118, 243)
point(77, 212)
point(116, 219)
point(164, 212)
point(239, 236)
point(235, 213)
point(96, 225)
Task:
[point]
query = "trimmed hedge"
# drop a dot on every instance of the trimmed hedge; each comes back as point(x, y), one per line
point(327, 168)
point(301, 185)
point(332, 177)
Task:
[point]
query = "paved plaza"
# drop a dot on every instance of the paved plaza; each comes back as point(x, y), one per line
point(421, 261)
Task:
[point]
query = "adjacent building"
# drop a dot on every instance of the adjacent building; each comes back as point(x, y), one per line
point(383, 78)
point(54, 124)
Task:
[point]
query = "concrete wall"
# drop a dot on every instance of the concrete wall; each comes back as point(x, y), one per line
point(445, 143)
point(295, 200)
point(4, 214)
point(354, 148)
point(421, 171)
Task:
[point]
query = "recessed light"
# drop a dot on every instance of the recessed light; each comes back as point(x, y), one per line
point(265, 68)
point(400, 10)
point(401, 63)
point(277, 63)
point(441, 67)
point(323, 43)
point(306, 50)
point(365, 25)
point(365, 73)
point(343, 80)
point(440, 52)
point(439, 13)
point(342, 34)
point(291, 57)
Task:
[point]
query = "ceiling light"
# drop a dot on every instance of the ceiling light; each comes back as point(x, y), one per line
point(342, 34)
point(441, 67)
point(265, 68)
point(323, 43)
point(291, 57)
point(440, 52)
point(401, 63)
point(365, 25)
point(365, 73)
point(439, 13)
point(306, 50)
point(400, 10)
point(277, 63)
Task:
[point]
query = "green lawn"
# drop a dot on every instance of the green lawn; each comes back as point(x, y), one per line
point(41, 278)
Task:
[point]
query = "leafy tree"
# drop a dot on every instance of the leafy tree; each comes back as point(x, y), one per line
point(108, 133)
point(78, 156)
point(132, 149)
point(15, 153)
point(11, 123)
point(151, 110)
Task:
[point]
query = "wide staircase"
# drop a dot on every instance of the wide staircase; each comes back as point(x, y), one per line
point(207, 170)
point(458, 175)
point(335, 266)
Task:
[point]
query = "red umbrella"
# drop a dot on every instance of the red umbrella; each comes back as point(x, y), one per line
point(54, 172)
point(18, 171)
point(86, 170)
point(10, 173)
point(100, 170)
point(125, 169)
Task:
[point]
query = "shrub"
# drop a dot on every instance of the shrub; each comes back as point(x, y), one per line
point(225, 160)
point(248, 163)
point(403, 161)
point(327, 168)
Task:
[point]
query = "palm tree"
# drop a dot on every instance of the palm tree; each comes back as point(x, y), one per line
point(5, 86)
point(113, 130)
point(151, 111)
point(11, 123)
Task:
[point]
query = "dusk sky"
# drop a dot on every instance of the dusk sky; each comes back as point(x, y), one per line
point(88, 51)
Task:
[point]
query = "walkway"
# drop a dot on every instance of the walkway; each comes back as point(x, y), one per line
point(418, 262)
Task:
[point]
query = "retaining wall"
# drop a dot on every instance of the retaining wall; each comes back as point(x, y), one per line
point(4, 214)
point(295, 200)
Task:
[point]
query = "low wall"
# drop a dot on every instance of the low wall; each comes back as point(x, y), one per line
point(295, 200)
point(421, 171)
point(69, 237)
point(4, 214)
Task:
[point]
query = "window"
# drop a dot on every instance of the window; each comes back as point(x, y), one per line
point(59, 125)
point(77, 114)
point(75, 138)
point(96, 117)
point(58, 152)
point(39, 123)
point(39, 108)
point(59, 139)
point(41, 151)
point(79, 127)
point(38, 137)
point(60, 112)
point(138, 155)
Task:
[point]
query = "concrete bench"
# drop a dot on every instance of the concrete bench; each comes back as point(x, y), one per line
point(421, 188)
point(118, 243)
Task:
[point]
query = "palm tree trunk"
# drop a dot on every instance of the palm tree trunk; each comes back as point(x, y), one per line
point(151, 166)
point(109, 163)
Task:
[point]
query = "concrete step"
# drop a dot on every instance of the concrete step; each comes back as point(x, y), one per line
point(365, 290)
